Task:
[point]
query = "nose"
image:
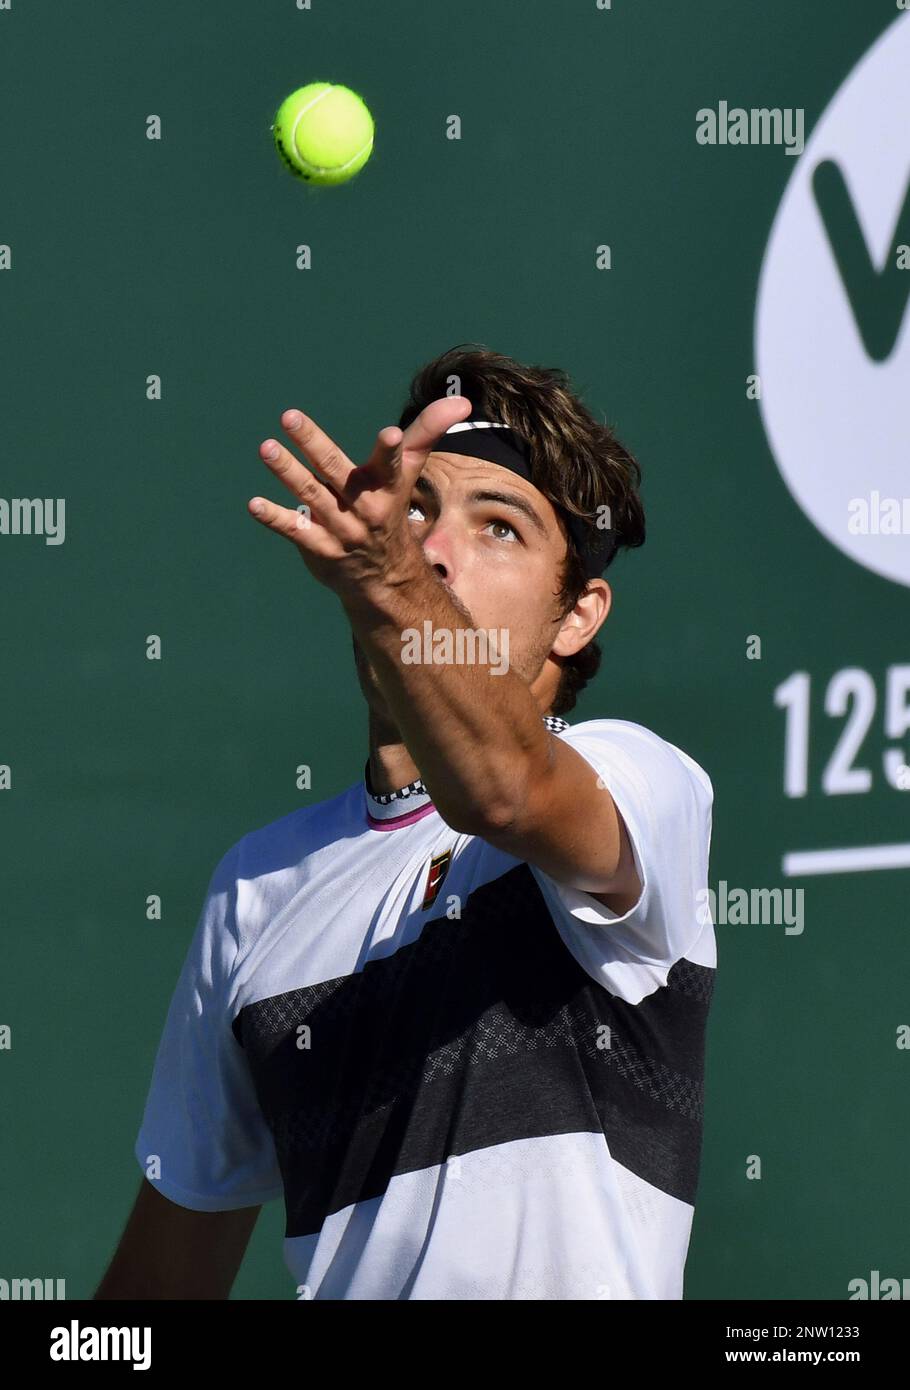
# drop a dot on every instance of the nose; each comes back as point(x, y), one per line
point(439, 550)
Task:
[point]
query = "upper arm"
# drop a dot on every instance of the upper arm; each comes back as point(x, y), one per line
point(169, 1251)
point(642, 807)
point(570, 827)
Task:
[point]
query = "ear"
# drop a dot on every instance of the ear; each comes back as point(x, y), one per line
point(582, 623)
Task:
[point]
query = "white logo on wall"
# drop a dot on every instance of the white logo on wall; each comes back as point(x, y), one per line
point(831, 333)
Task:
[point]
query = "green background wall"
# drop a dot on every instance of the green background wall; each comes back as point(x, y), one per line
point(176, 257)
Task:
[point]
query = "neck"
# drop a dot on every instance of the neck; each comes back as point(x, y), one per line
point(391, 765)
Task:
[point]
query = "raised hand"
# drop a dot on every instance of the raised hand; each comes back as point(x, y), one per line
point(351, 523)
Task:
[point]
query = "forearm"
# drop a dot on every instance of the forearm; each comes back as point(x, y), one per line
point(169, 1251)
point(472, 727)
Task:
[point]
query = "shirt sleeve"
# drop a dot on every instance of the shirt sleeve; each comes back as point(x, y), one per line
point(202, 1120)
point(665, 800)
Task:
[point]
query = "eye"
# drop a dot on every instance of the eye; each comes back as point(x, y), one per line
point(508, 527)
point(419, 508)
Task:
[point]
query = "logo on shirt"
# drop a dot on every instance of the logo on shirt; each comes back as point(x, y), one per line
point(439, 867)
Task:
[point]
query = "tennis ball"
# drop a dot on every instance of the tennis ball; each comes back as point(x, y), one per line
point(324, 133)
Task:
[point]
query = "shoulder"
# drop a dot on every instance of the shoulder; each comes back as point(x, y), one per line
point(277, 854)
point(639, 752)
point(665, 799)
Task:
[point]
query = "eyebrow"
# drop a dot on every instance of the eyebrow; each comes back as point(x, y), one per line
point(506, 499)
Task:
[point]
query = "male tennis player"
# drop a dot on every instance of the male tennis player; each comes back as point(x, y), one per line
point(454, 1016)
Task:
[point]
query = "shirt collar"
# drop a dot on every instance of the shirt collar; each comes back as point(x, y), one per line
point(410, 803)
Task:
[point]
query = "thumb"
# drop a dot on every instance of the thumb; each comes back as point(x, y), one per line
point(402, 454)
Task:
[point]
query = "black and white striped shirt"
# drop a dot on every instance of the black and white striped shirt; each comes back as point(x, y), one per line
point(466, 1080)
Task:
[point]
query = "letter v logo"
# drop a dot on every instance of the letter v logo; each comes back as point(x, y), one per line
point(878, 298)
point(832, 323)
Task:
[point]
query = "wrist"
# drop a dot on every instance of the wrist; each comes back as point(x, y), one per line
point(389, 597)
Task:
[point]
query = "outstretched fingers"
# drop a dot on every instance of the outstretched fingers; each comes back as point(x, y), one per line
point(291, 523)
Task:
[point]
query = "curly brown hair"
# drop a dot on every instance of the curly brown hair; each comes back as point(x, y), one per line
point(578, 463)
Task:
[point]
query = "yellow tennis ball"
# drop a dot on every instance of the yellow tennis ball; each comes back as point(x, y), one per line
point(324, 133)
